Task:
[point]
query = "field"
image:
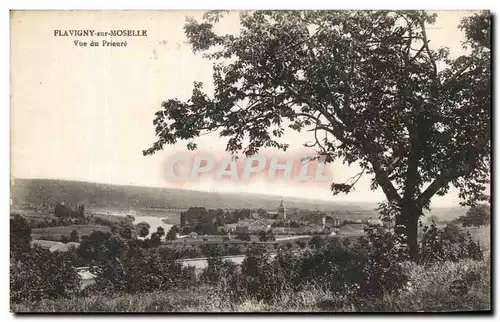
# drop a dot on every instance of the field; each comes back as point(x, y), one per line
point(55, 233)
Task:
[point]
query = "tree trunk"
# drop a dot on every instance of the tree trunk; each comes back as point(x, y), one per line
point(409, 218)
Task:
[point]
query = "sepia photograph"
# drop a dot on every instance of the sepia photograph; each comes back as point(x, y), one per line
point(273, 161)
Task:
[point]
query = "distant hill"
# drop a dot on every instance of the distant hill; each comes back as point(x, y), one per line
point(38, 192)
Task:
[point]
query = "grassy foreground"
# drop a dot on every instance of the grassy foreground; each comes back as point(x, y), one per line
point(430, 290)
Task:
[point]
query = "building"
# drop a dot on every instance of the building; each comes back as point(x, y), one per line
point(282, 210)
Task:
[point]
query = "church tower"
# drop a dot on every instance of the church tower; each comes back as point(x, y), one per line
point(282, 210)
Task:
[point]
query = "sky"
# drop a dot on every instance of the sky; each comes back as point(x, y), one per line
point(85, 113)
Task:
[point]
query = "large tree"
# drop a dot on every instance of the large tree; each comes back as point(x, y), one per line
point(366, 83)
